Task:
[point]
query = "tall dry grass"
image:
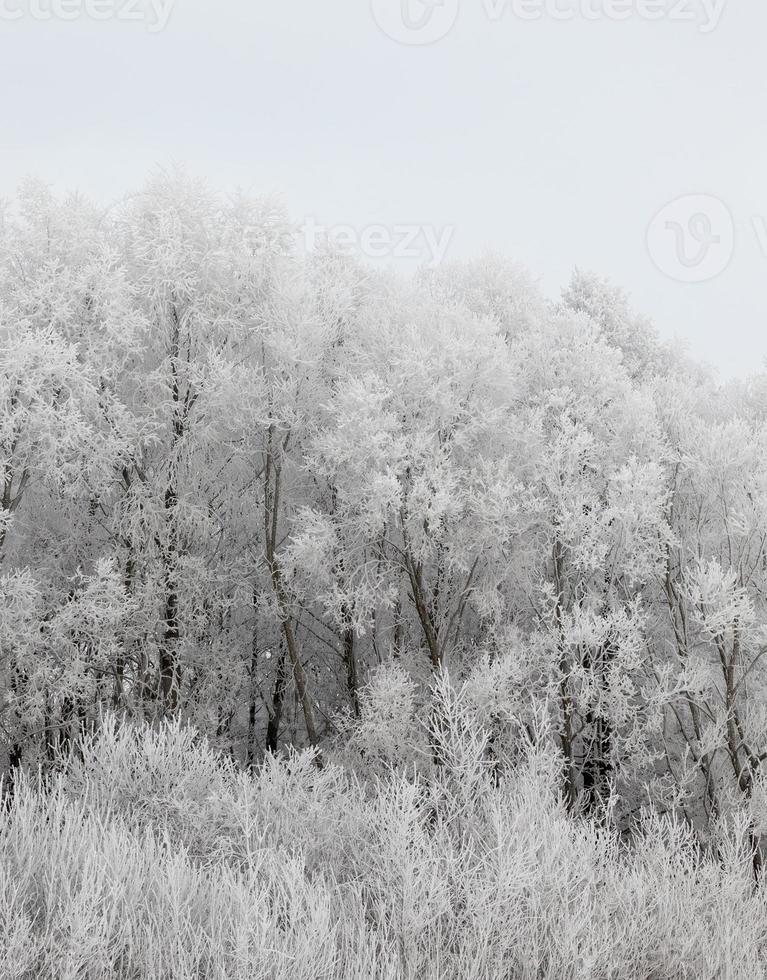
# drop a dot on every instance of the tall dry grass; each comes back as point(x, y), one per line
point(150, 857)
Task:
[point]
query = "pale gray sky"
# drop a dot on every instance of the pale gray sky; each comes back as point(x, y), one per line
point(553, 141)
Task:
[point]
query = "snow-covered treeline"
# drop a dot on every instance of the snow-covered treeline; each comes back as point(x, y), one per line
point(280, 497)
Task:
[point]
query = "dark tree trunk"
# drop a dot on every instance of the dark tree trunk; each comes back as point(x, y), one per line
point(253, 693)
point(352, 681)
point(570, 786)
point(169, 670)
point(15, 750)
point(278, 701)
point(15, 759)
point(597, 765)
point(170, 675)
point(272, 489)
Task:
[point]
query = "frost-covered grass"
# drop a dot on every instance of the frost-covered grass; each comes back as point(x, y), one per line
point(152, 857)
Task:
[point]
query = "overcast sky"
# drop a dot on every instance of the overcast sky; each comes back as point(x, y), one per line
point(555, 141)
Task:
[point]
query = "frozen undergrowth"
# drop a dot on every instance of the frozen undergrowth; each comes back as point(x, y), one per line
point(151, 857)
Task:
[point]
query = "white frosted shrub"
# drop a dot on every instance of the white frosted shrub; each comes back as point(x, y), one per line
point(459, 869)
point(503, 694)
point(165, 776)
point(389, 732)
point(293, 805)
point(169, 777)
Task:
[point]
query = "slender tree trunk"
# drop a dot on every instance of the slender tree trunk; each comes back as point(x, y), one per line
point(170, 674)
point(272, 488)
point(421, 603)
point(597, 767)
point(566, 738)
point(15, 760)
point(745, 771)
point(253, 693)
point(16, 749)
point(350, 659)
point(278, 700)
point(169, 670)
point(119, 686)
point(299, 675)
point(565, 700)
point(398, 635)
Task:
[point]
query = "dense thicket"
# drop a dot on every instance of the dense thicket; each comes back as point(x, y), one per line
point(277, 495)
point(148, 858)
